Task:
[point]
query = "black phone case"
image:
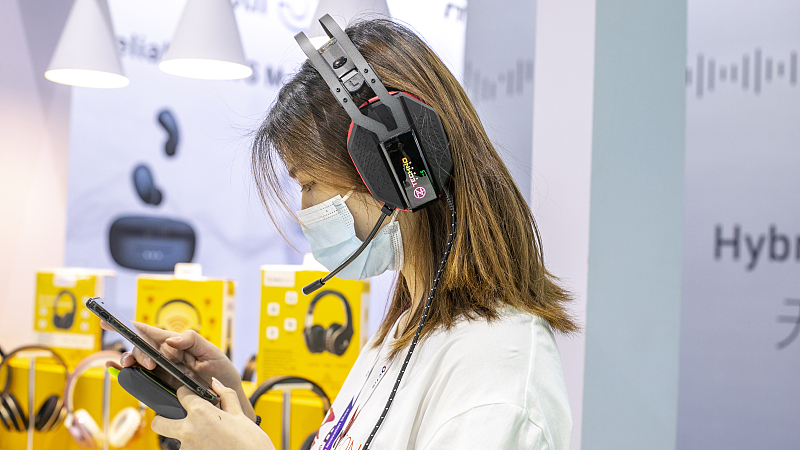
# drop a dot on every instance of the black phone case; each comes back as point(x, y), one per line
point(151, 391)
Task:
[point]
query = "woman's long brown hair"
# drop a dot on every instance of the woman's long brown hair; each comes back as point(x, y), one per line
point(496, 260)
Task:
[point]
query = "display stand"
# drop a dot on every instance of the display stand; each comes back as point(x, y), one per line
point(286, 409)
point(106, 407)
point(31, 393)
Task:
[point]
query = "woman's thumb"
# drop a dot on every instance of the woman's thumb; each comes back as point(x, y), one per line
point(229, 401)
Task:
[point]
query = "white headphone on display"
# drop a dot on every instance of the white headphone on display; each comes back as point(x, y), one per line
point(124, 427)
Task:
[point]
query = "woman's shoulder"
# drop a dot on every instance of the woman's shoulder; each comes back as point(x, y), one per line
point(510, 330)
point(510, 346)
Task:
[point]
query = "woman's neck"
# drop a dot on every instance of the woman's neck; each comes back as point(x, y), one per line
point(414, 292)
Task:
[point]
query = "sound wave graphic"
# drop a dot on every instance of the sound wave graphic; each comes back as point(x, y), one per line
point(765, 69)
point(511, 82)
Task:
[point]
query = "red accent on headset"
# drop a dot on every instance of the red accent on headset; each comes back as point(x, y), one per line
point(350, 130)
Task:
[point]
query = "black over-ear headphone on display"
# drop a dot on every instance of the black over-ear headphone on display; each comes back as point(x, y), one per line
point(398, 145)
point(396, 141)
point(271, 383)
point(66, 320)
point(13, 415)
point(336, 338)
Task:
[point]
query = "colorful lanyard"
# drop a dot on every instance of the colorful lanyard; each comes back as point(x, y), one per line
point(334, 435)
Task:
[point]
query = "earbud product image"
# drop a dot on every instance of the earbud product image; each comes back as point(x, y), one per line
point(167, 120)
point(145, 185)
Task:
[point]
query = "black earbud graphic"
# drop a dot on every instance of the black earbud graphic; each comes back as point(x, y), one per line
point(167, 120)
point(145, 185)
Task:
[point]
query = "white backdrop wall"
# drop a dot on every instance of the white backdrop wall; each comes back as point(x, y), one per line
point(741, 292)
point(562, 162)
point(207, 184)
point(34, 123)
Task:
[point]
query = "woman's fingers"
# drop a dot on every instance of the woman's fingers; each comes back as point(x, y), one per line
point(143, 360)
point(110, 364)
point(166, 427)
point(153, 335)
point(229, 400)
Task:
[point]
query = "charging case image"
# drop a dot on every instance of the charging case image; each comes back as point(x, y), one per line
point(151, 244)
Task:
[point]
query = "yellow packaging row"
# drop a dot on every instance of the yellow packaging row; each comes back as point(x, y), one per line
point(61, 320)
point(189, 301)
point(316, 337)
point(49, 379)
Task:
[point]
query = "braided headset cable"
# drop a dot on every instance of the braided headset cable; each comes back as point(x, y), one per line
point(452, 207)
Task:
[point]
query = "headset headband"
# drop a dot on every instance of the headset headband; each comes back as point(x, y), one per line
point(71, 296)
point(270, 384)
point(94, 360)
point(345, 71)
point(177, 300)
point(348, 314)
point(25, 348)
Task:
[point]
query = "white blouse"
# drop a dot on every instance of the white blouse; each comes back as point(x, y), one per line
point(478, 385)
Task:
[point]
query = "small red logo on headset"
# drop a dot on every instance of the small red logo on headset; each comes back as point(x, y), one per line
point(419, 192)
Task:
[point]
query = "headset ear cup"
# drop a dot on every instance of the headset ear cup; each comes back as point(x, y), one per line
point(316, 339)
point(19, 420)
point(6, 417)
point(85, 430)
point(47, 416)
point(125, 427)
point(331, 336)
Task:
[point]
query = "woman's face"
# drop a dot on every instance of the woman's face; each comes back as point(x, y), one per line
point(364, 208)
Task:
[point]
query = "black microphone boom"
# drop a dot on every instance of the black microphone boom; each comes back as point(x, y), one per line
point(386, 211)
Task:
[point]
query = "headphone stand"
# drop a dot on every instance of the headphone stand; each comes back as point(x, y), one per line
point(106, 408)
point(286, 409)
point(31, 392)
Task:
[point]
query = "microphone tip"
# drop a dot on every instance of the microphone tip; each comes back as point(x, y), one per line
point(313, 287)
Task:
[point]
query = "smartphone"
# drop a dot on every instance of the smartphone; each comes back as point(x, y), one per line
point(97, 306)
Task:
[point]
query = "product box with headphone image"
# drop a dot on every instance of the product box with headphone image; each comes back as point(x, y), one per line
point(316, 336)
point(60, 318)
point(188, 301)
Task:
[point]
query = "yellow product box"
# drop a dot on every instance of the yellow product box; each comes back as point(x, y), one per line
point(183, 302)
point(61, 320)
point(316, 336)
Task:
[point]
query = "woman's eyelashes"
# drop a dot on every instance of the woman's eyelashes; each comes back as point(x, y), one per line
point(307, 187)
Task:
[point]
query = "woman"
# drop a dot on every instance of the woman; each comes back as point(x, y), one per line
point(486, 372)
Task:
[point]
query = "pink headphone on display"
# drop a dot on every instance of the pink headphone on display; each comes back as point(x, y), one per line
point(124, 427)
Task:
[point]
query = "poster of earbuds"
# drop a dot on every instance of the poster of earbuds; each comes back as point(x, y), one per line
point(160, 170)
point(740, 313)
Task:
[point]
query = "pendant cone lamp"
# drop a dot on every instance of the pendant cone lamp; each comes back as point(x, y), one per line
point(206, 44)
point(344, 11)
point(86, 54)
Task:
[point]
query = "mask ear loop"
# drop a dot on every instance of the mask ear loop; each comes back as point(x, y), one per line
point(346, 196)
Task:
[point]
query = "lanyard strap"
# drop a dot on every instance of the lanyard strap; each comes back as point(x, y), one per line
point(335, 434)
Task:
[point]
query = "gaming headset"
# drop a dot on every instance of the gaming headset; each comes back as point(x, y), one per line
point(397, 144)
point(272, 383)
point(336, 338)
point(13, 416)
point(64, 321)
point(124, 427)
point(396, 141)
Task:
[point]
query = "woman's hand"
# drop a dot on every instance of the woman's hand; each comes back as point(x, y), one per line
point(199, 358)
point(207, 427)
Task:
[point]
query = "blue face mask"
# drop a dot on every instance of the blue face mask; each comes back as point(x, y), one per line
point(330, 229)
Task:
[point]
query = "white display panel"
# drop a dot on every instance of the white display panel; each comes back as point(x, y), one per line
point(740, 309)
